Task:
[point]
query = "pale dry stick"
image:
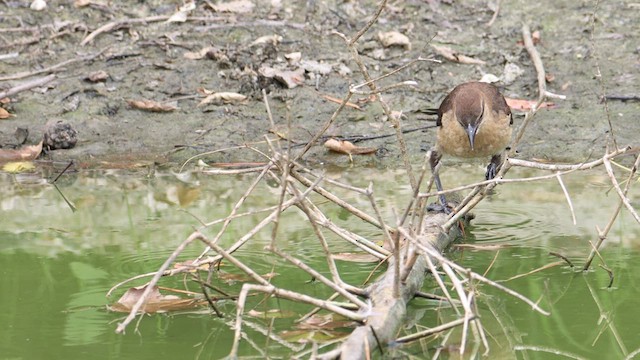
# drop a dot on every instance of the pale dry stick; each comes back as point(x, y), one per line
point(210, 153)
point(495, 14)
point(395, 121)
point(52, 68)
point(337, 285)
point(463, 300)
point(434, 330)
point(246, 237)
point(621, 194)
point(385, 75)
point(594, 52)
point(563, 169)
point(602, 235)
point(326, 126)
point(537, 63)
point(266, 105)
point(237, 206)
point(285, 294)
point(380, 90)
point(330, 196)
point(258, 328)
point(441, 284)
point(369, 24)
point(233, 171)
point(478, 323)
point(608, 321)
point(493, 261)
point(387, 236)
point(474, 275)
point(547, 350)
point(567, 196)
point(149, 287)
point(316, 310)
point(541, 268)
point(118, 23)
point(27, 86)
point(632, 354)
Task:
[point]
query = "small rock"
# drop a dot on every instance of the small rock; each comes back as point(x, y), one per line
point(59, 135)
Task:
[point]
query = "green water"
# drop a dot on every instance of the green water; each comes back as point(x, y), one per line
point(57, 265)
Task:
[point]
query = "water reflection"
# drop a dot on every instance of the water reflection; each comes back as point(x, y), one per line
point(57, 265)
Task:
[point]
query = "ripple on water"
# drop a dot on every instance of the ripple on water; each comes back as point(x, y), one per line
point(515, 225)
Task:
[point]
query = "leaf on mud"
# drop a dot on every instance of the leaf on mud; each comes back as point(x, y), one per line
point(347, 147)
point(288, 78)
point(182, 13)
point(18, 167)
point(197, 55)
point(452, 55)
point(156, 302)
point(238, 6)
point(526, 105)
point(97, 76)
point(394, 38)
point(222, 98)
point(274, 39)
point(4, 114)
point(149, 105)
point(25, 153)
point(293, 58)
point(82, 3)
point(272, 314)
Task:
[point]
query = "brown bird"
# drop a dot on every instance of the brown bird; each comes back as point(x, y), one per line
point(474, 121)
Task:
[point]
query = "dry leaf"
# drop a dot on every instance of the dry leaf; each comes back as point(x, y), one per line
point(238, 6)
point(81, 3)
point(394, 38)
point(293, 58)
point(452, 55)
point(223, 98)
point(4, 114)
point(526, 105)
point(347, 147)
point(97, 76)
point(288, 78)
point(316, 67)
point(267, 39)
point(149, 105)
point(25, 153)
point(182, 13)
point(155, 303)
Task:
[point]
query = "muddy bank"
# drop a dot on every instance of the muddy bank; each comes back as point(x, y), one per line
point(149, 60)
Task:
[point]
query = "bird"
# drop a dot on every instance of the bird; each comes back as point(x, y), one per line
point(474, 121)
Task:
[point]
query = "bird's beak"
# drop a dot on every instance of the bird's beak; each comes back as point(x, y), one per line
point(471, 130)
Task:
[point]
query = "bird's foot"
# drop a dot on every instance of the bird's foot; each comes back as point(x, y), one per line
point(440, 206)
point(492, 170)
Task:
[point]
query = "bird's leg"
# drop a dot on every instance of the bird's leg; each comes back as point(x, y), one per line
point(433, 161)
point(494, 166)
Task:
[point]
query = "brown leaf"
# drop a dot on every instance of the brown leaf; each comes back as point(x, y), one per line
point(237, 6)
point(25, 153)
point(97, 76)
point(4, 114)
point(454, 56)
point(288, 78)
point(347, 147)
point(156, 302)
point(526, 105)
point(223, 98)
point(149, 105)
